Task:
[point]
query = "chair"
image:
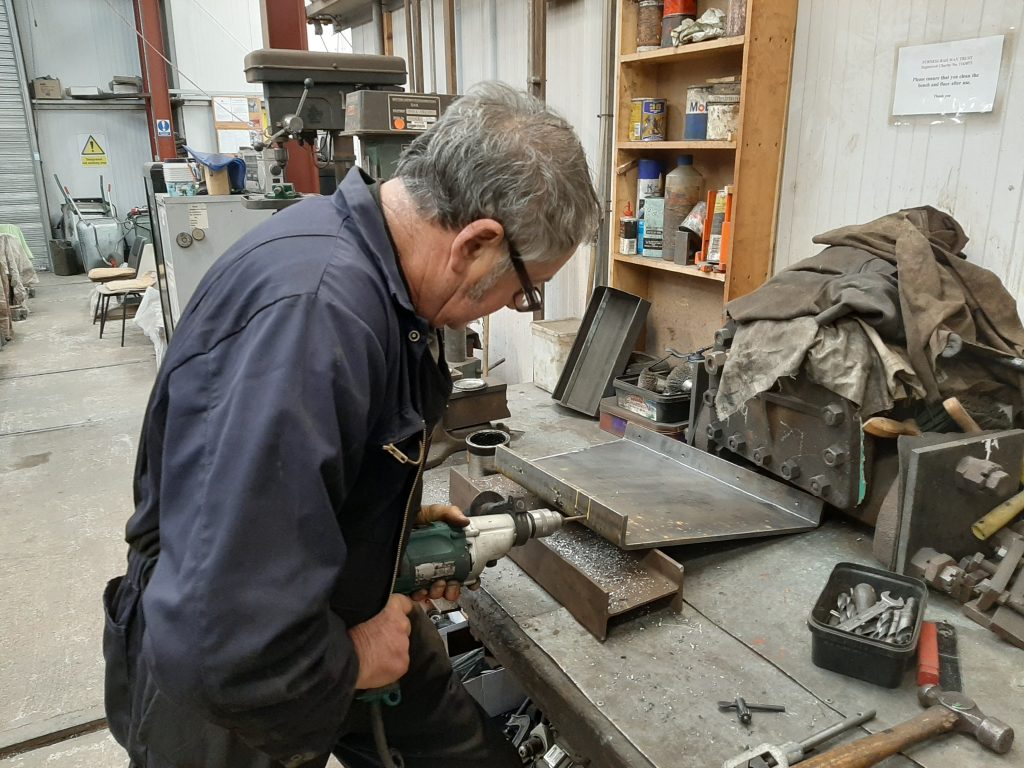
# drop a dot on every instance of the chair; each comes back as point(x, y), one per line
point(121, 289)
point(127, 272)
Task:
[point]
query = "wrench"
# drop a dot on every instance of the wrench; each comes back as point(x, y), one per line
point(885, 602)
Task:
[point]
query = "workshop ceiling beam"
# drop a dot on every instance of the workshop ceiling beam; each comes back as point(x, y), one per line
point(284, 26)
point(152, 60)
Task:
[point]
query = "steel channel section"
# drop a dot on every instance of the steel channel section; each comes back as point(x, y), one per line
point(648, 490)
point(593, 606)
point(611, 325)
point(589, 603)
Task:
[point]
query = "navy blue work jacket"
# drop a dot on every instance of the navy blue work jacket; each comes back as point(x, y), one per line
point(278, 470)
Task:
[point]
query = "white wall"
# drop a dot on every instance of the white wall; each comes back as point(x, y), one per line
point(209, 42)
point(492, 45)
point(84, 42)
point(846, 162)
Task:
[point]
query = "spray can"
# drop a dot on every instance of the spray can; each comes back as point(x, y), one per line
point(649, 181)
point(627, 232)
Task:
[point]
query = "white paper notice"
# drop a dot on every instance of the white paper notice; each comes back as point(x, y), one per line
point(230, 109)
point(948, 78)
point(230, 141)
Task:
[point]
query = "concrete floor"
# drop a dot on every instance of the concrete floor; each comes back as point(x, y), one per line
point(72, 407)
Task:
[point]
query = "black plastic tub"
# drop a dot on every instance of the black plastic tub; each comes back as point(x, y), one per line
point(848, 654)
point(667, 409)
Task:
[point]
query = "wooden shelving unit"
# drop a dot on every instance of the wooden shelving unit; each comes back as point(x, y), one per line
point(686, 304)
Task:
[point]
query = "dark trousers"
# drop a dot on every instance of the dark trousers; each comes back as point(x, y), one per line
point(436, 724)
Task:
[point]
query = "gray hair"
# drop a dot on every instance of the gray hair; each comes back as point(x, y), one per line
point(498, 153)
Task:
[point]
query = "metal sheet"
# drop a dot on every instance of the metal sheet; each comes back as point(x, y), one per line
point(647, 490)
point(607, 335)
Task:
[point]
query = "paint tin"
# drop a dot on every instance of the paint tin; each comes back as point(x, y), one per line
point(649, 181)
point(654, 227)
point(648, 25)
point(675, 12)
point(723, 117)
point(681, 7)
point(647, 119)
point(696, 126)
point(627, 235)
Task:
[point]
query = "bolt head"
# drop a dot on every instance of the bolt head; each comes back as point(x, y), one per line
point(820, 485)
point(761, 456)
point(834, 455)
point(833, 415)
point(737, 442)
point(790, 469)
point(714, 432)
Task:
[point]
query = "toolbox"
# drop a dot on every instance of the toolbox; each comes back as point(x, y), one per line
point(858, 656)
point(615, 420)
point(667, 409)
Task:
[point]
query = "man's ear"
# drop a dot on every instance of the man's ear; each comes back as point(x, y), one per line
point(473, 241)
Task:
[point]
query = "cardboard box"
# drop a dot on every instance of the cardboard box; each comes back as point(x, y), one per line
point(46, 88)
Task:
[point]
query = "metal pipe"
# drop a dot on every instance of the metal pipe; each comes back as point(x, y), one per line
point(417, 43)
point(410, 58)
point(378, 27)
point(536, 53)
point(606, 169)
point(433, 47)
point(448, 20)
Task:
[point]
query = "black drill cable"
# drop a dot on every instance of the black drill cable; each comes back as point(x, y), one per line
point(389, 758)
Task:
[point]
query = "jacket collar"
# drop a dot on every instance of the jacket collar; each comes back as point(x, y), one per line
point(354, 193)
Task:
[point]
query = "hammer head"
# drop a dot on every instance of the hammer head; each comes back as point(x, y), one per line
point(989, 731)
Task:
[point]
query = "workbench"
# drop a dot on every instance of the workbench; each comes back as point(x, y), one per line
point(647, 696)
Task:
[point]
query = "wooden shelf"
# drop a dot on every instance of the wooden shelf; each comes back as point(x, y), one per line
point(669, 266)
point(648, 146)
point(722, 46)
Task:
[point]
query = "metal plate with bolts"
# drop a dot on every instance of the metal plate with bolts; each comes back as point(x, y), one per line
point(648, 490)
point(938, 506)
point(594, 580)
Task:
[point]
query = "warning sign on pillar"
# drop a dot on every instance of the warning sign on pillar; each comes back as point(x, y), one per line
point(93, 149)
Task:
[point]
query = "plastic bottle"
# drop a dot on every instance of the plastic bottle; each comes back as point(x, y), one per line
point(684, 188)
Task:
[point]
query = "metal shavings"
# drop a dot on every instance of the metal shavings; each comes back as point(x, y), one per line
point(617, 572)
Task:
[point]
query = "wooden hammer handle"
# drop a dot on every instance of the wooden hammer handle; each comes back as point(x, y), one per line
point(872, 750)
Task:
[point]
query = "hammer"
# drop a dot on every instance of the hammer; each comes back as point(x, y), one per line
point(947, 711)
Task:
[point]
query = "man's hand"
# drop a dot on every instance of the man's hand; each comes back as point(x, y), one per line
point(441, 513)
point(382, 644)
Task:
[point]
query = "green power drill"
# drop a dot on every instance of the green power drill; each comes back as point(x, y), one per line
point(439, 551)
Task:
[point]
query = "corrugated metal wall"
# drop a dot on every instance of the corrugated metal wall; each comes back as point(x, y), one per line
point(86, 43)
point(492, 45)
point(847, 163)
point(21, 201)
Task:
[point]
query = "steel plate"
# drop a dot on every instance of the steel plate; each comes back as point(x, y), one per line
point(647, 490)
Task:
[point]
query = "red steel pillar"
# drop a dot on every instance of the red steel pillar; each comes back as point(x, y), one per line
point(284, 26)
point(149, 23)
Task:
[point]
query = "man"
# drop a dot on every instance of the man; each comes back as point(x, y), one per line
point(280, 463)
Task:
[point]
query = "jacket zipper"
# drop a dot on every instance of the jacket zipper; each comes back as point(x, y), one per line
point(408, 506)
